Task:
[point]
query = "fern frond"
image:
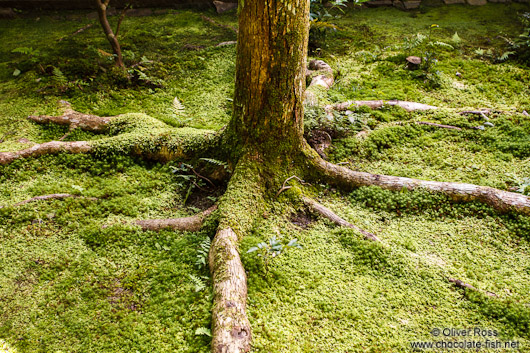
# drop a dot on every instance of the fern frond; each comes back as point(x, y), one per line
point(202, 253)
point(178, 107)
point(444, 45)
point(197, 282)
point(58, 76)
point(215, 162)
point(506, 55)
point(203, 331)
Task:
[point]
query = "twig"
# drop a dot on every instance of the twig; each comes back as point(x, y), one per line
point(439, 125)
point(50, 197)
point(463, 285)
point(482, 113)
point(82, 29)
point(208, 19)
point(198, 187)
point(122, 16)
point(327, 213)
point(202, 177)
point(286, 187)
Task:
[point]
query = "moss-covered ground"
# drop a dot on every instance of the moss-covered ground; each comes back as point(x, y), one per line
point(77, 276)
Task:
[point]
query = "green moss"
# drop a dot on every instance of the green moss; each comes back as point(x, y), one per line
point(342, 293)
point(79, 277)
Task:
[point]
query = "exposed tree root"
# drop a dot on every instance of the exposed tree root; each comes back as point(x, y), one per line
point(322, 74)
point(231, 328)
point(502, 201)
point(238, 208)
point(187, 224)
point(287, 187)
point(439, 125)
point(50, 197)
point(463, 285)
point(327, 213)
point(46, 148)
point(408, 106)
point(74, 119)
point(482, 113)
point(136, 134)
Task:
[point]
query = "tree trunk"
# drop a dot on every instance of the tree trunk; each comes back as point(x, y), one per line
point(103, 20)
point(270, 75)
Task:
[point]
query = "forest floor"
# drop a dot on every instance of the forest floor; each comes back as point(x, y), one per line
point(77, 276)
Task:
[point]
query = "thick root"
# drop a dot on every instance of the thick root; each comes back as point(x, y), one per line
point(46, 148)
point(502, 201)
point(74, 120)
point(327, 213)
point(186, 224)
point(238, 208)
point(231, 328)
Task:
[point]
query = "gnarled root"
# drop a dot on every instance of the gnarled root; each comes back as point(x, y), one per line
point(327, 213)
point(187, 224)
point(502, 201)
point(46, 148)
point(74, 119)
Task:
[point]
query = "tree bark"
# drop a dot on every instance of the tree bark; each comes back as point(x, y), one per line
point(270, 75)
point(103, 20)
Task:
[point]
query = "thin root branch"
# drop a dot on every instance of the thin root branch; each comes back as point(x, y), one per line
point(460, 284)
point(50, 197)
point(439, 125)
point(287, 187)
point(327, 213)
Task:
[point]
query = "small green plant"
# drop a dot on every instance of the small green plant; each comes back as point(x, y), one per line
point(216, 162)
point(520, 185)
point(321, 11)
point(427, 49)
point(188, 179)
point(519, 47)
point(273, 249)
point(199, 283)
point(203, 331)
point(29, 58)
point(202, 253)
